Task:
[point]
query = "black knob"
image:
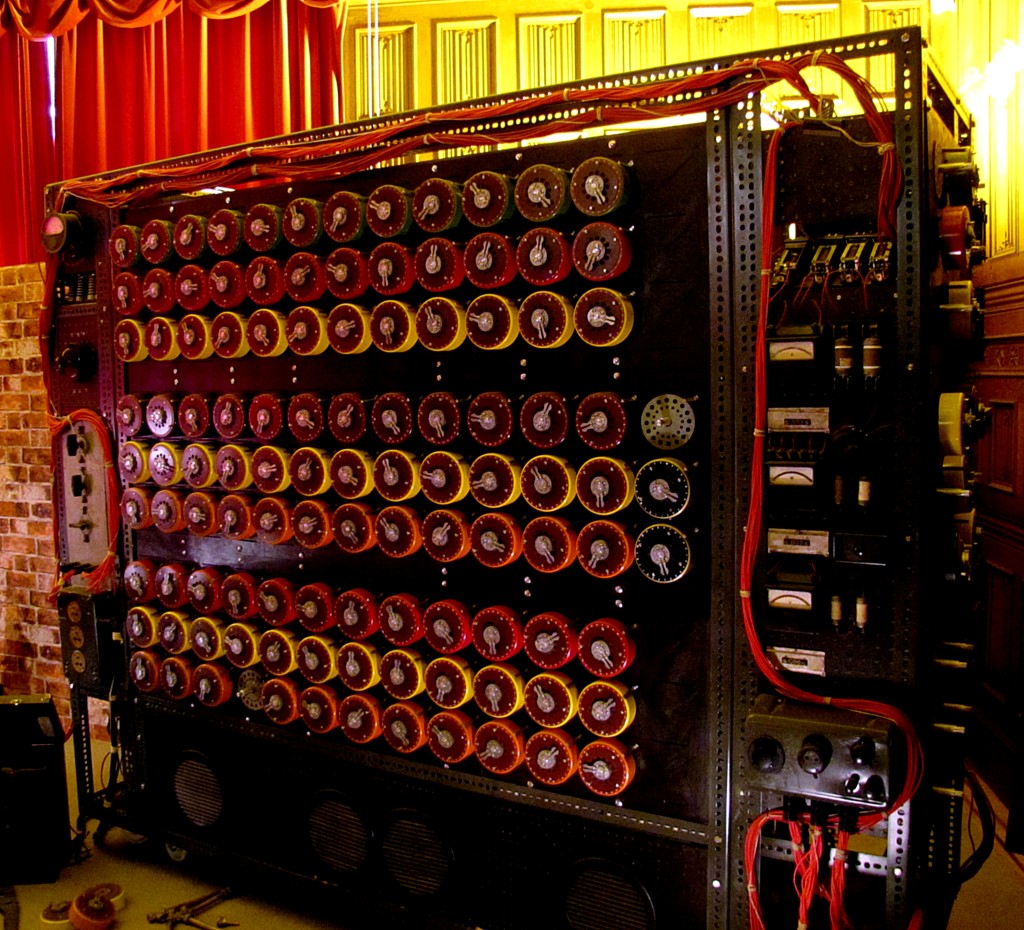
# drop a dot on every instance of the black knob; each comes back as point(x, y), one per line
point(862, 752)
point(874, 789)
point(767, 755)
point(815, 754)
point(853, 783)
point(79, 360)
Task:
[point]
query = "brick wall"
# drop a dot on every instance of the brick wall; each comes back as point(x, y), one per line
point(30, 657)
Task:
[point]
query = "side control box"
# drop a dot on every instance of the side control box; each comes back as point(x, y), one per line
point(821, 752)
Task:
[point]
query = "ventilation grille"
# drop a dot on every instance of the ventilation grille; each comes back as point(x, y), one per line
point(337, 835)
point(415, 857)
point(600, 898)
point(198, 791)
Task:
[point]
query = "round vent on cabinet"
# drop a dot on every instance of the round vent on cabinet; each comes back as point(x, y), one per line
point(415, 856)
point(198, 791)
point(601, 897)
point(336, 833)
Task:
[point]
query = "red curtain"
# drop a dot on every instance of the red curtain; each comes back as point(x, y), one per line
point(203, 75)
point(27, 155)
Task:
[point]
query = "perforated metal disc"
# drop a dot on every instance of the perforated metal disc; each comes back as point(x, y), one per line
point(250, 688)
point(668, 421)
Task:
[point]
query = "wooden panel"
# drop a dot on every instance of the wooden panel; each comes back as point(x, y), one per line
point(889, 14)
point(464, 58)
point(1003, 572)
point(633, 40)
point(549, 49)
point(384, 70)
point(811, 22)
point(1000, 448)
point(720, 30)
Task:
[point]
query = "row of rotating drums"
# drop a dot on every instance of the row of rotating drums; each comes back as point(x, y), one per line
point(597, 187)
point(601, 317)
